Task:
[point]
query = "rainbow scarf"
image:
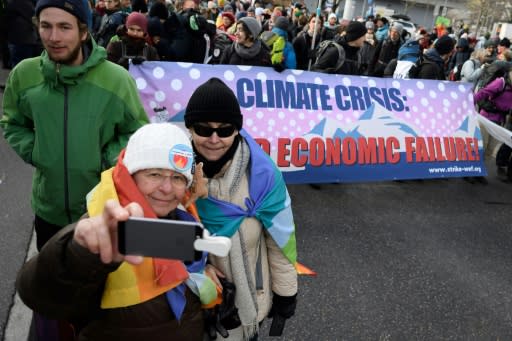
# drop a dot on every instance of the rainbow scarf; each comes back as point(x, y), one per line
point(268, 201)
point(134, 284)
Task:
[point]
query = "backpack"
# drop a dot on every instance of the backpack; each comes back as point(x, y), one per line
point(220, 43)
point(322, 47)
point(269, 38)
point(491, 72)
point(495, 70)
point(108, 27)
point(409, 60)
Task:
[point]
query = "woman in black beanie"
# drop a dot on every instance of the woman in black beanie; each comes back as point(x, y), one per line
point(238, 170)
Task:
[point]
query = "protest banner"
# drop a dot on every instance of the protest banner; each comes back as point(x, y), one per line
point(335, 128)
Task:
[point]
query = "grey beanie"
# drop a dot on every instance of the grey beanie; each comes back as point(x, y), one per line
point(252, 25)
point(398, 27)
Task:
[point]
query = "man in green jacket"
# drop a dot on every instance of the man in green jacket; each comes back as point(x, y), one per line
point(68, 112)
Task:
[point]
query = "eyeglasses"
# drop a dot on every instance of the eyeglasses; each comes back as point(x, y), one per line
point(207, 131)
point(157, 178)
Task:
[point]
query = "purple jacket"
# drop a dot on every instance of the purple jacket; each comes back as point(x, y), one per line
point(503, 101)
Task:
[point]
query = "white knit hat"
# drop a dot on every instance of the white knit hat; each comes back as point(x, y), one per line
point(160, 145)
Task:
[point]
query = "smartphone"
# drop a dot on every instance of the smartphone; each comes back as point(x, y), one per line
point(159, 238)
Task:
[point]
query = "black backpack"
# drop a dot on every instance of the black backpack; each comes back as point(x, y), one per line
point(220, 43)
point(321, 50)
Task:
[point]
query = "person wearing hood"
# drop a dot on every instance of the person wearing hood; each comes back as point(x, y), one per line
point(382, 28)
point(132, 42)
point(350, 41)
point(462, 53)
point(247, 49)
point(434, 59)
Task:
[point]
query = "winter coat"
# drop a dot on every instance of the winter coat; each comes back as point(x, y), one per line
point(463, 53)
point(70, 123)
point(109, 24)
point(432, 66)
point(133, 48)
point(351, 65)
point(382, 32)
point(18, 17)
point(231, 184)
point(500, 93)
point(65, 281)
point(302, 46)
point(385, 51)
point(231, 55)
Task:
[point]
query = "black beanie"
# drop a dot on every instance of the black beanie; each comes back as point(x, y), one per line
point(444, 44)
point(355, 30)
point(159, 10)
point(75, 7)
point(213, 101)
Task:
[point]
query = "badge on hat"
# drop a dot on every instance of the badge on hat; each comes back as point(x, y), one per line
point(181, 157)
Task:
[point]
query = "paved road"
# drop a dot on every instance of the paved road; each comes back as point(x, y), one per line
point(429, 260)
point(15, 220)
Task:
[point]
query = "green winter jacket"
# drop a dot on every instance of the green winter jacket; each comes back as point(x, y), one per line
point(70, 123)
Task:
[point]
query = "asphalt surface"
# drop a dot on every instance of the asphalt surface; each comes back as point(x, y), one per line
point(412, 260)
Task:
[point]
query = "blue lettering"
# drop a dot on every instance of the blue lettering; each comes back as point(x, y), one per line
point(339, 92)
point(242, 86)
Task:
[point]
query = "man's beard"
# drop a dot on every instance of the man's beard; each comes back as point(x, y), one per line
point(70, 58)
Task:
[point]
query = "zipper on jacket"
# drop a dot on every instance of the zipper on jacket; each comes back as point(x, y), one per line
point(66, 178)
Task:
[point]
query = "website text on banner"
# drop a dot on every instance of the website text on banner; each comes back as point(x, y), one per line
point(329, 128)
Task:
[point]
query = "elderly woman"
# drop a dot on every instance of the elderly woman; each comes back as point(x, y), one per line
point(248, 202)
point(80, 276)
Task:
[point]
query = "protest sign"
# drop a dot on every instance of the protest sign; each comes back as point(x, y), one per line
point(335, 128)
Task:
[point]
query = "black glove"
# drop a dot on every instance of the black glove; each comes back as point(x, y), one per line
point(283, 305)
point(212, 324)
point(138, 60)
point(278, 67)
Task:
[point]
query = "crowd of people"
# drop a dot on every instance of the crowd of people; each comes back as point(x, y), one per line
point(85, 181)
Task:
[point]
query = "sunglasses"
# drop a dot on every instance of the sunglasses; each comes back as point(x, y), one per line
point(207, 131)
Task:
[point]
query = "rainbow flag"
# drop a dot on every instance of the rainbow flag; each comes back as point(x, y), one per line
point(268, 201)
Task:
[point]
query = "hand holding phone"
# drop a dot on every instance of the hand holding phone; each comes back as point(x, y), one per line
point(99, 234)
point(171, 239)
point(160, 238)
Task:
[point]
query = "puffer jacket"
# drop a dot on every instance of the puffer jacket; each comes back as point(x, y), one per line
point(70, 123)
point(65, 281)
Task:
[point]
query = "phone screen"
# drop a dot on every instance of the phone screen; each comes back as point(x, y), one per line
point(159, 238)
